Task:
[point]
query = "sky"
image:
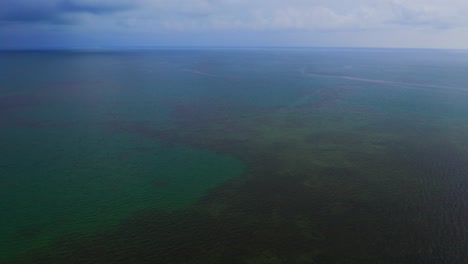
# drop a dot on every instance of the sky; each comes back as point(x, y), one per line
point(303, 23)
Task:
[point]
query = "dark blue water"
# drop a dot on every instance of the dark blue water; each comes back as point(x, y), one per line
point(234, 156)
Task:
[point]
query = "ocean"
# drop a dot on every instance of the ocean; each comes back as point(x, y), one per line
point(231, 155)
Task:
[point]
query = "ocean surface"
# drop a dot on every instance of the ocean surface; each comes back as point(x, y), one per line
point(320, 155)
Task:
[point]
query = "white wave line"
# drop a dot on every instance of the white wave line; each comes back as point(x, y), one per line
point(200, 72)
point(388, 82)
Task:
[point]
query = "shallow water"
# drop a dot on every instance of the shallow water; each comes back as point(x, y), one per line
point(234, 156)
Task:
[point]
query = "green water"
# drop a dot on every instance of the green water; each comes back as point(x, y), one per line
point(72, 181)
point(234, 156)
point(63, 172)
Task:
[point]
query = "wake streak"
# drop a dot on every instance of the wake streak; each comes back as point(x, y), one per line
point(406, 84)
point(200, 72)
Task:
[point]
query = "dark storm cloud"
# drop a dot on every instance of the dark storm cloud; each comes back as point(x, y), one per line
point(94, 8)
point(55, 11)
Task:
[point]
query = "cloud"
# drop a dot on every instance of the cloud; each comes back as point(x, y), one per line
point(56, 11)
point(95, 7)
point(244, 14)
point(344, 15)
point(436, 14)
point(431, 20)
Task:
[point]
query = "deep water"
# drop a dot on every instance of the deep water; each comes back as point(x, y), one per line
point(234, 156)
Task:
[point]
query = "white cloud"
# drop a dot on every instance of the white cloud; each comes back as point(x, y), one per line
point(409, 19)
point(254, 15)
point(306, 15)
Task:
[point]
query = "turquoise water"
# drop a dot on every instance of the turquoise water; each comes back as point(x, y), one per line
point(234, 156)
point(65, 167)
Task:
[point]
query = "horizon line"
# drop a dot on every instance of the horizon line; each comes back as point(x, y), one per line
point(200, 47)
